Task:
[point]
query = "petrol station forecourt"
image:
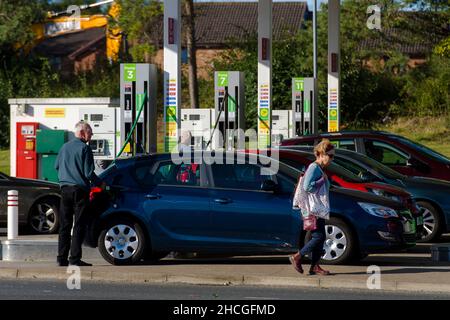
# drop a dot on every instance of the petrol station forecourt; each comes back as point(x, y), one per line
point(127, 155)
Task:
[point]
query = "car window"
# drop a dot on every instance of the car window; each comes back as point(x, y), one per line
point(167, 173)
point(424, 149)
point(238, 176)
point(177, 174)
point(334, 168)
point(361, 172)
point(348, 144)
point(294, 164)
point(385, 153)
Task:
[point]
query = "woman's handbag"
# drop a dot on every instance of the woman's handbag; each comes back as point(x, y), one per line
point(310, 223)
point(311, 205)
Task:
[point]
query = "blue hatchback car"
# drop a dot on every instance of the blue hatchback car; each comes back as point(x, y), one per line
point(156, 205)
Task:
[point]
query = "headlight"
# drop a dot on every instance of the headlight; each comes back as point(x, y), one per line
point(378, 211)
point(382, 193)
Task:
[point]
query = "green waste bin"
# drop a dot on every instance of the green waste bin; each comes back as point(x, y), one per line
point(48, 171)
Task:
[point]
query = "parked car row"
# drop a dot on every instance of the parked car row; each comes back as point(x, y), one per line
point(397, 161)
point(153, 205)
point(397, 152)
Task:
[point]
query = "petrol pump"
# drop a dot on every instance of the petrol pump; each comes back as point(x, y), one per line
point(27, 162)
point(304, 113)
point(281, 120)
point(229, 102)
point(103, 124)
point(199, 122)
point(138, 89)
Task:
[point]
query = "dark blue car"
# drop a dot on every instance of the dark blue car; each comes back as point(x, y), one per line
point(155, 206)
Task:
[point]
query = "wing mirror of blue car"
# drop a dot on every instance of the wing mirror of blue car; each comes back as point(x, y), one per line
point(269, 185)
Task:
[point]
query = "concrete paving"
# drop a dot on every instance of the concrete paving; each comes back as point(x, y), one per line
point(420, 275)
point(413, 270)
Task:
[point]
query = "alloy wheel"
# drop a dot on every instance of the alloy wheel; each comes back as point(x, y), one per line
point(335, 243)
point(429, 223)
point(43, 219)
point(121, 241)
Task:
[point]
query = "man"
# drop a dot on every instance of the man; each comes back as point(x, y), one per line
point(75, 166)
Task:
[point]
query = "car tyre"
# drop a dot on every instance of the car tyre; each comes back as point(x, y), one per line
point(44, 216)
point(122, 241)
point(432, 222)
point(339, 246)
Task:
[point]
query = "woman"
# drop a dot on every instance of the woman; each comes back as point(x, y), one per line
point(313, 179)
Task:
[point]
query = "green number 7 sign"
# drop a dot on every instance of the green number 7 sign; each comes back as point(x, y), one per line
point(222, 78)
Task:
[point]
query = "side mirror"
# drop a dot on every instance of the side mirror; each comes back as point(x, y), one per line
point(269, 185)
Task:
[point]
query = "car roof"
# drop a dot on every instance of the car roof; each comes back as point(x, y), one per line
point(343, 134)
point(167, 155)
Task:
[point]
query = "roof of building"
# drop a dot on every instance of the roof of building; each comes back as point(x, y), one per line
point(417, 34)
point(71, 44)
point(217, 23)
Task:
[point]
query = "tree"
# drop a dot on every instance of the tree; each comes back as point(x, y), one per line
point(138, 19)
point(16, 19)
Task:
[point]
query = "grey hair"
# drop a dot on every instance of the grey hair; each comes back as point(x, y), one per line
point(185, 137)
point(81, 126)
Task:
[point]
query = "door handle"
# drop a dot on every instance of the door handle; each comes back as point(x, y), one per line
point(223, 201)
point(153, 196)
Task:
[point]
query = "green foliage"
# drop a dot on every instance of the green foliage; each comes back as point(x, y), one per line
point(137, 20)
point(443, 48)
point(427, 89)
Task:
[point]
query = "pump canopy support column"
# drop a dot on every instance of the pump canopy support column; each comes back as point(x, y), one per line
point(264, 73)
point(172, 73)
point(334, 51)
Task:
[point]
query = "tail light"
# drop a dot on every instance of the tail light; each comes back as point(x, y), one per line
point(94, 192)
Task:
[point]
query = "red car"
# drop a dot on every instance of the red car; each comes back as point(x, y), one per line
point(397, 152)
point(346, 179)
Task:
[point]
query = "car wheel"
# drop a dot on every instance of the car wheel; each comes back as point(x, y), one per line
point(339, 246)
point(122, 242)
point(44, 216)
point(431, 222)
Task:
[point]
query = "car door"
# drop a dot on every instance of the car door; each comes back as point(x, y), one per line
point(244, 217)
point(176, 202)
point(389, 155)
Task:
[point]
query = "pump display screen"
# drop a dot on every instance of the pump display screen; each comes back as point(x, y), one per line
point(194, 117)
point(96, 117)
point(275, 118)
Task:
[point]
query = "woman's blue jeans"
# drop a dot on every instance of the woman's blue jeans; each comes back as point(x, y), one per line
point(315, 245)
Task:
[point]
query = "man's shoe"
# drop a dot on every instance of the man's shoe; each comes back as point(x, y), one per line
point(296, 261)
point(62, 263)
point(318, 270)
point(81, 264)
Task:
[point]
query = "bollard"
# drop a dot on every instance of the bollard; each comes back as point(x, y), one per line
point(13, 214)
